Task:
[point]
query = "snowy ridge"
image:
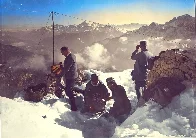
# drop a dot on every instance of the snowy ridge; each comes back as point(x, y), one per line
point(52, 117)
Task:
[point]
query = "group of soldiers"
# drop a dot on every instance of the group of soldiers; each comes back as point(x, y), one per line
point(96, 93)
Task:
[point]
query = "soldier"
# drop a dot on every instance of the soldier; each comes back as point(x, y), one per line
point(122, 106)
point(95, 96)
point(70, 74)
point(139, 74)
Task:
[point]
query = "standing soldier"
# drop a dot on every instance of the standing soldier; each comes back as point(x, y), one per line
point(70, 74)
point(139, 74)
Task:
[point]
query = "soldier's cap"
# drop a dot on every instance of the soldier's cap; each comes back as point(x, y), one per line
point(94, 77)
point(110, 80)
point(143, 43)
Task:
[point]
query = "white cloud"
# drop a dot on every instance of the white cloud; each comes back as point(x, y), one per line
point(79, 58)
point(95, 56)
point(123, 40)
point(18, 44)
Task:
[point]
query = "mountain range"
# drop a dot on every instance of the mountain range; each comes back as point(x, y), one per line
point(181, 27)
point(118, 44)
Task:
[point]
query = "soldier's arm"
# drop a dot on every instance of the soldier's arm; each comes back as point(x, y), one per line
point(134, 55)
point(106, 94)
point(87, 88)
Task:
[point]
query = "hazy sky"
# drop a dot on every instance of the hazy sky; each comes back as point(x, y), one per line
point(36, 12)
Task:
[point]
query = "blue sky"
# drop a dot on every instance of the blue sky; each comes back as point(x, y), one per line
point(35, 12)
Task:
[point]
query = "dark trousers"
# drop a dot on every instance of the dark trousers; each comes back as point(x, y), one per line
point(140, 86)
point(69, 92)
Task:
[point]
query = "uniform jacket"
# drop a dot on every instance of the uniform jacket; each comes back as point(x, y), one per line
point(96, 96)
point(121, 104)
point(140, 67)
point(70, 67)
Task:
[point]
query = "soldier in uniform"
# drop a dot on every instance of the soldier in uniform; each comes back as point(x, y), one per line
point(95, 96)
point(122, 106)
point(139, 74)
point(70, 75)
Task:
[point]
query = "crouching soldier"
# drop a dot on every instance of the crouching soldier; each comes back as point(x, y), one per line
point(122, 106)
point(95, 96)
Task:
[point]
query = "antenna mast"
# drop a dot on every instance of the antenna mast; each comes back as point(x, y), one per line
point(53, 33)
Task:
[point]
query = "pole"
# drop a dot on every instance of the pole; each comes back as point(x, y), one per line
point(53, 33)
point(195, 15)
point(1, 54)
point(1, 44)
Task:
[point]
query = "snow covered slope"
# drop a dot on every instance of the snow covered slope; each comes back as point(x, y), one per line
point(21, 119)
point(52, 117)
point(178, 119)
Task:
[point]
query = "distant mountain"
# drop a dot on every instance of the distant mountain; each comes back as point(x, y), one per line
point(184, 20)
point(82, 27)
point(18, 58)
point(78, 41)
point(130, 27)
point(182, 27)
point(13, 55)
point(75, 36)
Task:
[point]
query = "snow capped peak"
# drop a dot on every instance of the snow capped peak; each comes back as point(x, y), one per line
point(185, 16)
point(153, 24)
point(84, 24)
point(182, 17)
point(181, 20)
